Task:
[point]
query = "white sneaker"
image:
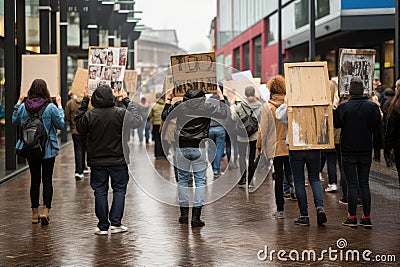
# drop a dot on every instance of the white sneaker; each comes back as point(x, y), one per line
point(78, 176)
point(331, 188)
point(118, 229)
point(279, 215)
point(99, 232)
point(86, 170)
point(321, 178)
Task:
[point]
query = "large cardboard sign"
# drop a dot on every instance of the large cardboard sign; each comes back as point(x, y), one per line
point(45, 67)
point(80, 82)
point(356, 63)
point(237, 87)
point(194, 71)
point(130, 81)
point(107, 67)
point(310, 115)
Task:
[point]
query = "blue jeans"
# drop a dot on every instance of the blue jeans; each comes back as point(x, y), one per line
point(217, 134)
point(312, 159)
point(356, 169)
point(191, 158)
point(99, 180)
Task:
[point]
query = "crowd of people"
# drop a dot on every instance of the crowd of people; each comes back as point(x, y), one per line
point(197, 128)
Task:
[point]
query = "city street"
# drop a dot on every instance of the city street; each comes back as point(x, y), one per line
point(238, 226)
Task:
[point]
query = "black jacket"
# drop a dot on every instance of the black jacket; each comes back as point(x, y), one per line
point(357, 118)
point(392, 134)
point(193, 117)
point(103, 125)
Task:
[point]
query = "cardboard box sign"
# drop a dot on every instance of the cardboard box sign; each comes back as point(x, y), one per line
point(356, 63)
point(194, 71)
point(130, 81)
point(106, 66)
point(310, 115)
point(45, 67)
point(237, 87)
point(80, 82)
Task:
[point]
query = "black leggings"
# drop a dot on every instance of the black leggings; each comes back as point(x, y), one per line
point(41, 170)
point(281, 165)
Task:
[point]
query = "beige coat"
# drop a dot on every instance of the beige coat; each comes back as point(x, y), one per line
point(266, 140)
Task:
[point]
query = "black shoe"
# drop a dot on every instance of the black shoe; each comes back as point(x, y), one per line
point(321, 216)
point(302, 220)
point(351, 222)
point(184, 218)
point(343, 201)
point(196, 213)
point(366, 223)
point(242, 181)
point(293, 194)
point(286, 195)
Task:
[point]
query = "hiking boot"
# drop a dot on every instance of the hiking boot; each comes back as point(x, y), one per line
point(365, 222)
point(118, 229)
point(196, 221)
point(321, 216)
point(351, 221)
point(44, 217)
point(184, 218)
point(302, 220)
point(35, 215)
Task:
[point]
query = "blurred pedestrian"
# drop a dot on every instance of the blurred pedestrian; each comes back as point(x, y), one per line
point(192, 126)
point(357, 118)
point(389, 94)
point(155, 121)
point(392, 134)
point(143, 109)
point(39, 103)
point(104, 127)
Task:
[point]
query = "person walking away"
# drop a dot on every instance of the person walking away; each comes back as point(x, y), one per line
point(143, 109)
point(392, 134)
point(104, 127)
point(79, 140)
point(52, 116)
point(357, 118)
point(247, 145)
point(389, 95)
point(311, 159)
point(192, 127)
point(155, 121)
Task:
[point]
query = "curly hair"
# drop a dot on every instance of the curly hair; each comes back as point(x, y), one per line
point(277, 85)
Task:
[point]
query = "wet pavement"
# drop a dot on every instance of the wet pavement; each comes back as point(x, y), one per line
point(238, 226)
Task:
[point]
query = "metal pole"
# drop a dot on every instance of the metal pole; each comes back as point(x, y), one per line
point(397, 42)
point(111, 35)
point(280, 57)
point(93, 28)
point(11, 82)
point(54, 9)
point(44, 18)
point(63, 60)
point(312, 30)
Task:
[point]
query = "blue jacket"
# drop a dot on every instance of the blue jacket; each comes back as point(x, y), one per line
point(52, 117)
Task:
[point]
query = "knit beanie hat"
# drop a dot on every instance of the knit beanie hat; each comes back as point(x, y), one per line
point(356, 86)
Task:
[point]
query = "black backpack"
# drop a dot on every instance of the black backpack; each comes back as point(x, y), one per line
point(248, 125)
point(33, 136)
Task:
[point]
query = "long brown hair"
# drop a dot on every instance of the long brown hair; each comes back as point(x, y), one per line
point(39, 90)
point(395, 104)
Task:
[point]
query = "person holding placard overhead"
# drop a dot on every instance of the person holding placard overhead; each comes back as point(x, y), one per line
point(357, 118)
point(39, 104)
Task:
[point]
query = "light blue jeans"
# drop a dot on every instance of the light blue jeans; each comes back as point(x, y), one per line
point(190, 158)
point(217, 134)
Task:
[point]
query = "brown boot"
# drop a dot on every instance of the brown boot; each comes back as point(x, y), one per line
point(45, 219)
point(35, 215)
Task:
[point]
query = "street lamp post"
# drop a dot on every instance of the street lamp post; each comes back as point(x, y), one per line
point(312, 30)
point(44, 18)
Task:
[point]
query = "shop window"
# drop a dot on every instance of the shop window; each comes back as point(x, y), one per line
point(236, 58)
point(301, 9)
point(322, 8)
point(246, 56)
point(257, 56)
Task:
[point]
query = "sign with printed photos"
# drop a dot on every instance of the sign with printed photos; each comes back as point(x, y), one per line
point(356, 63)
point(106, 66)
point(194, 71)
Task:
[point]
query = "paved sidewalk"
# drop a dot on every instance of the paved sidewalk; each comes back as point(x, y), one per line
point(238, 226)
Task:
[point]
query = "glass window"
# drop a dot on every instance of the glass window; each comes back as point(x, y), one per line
point(322, 8)
point(301, 13)
point(32, 22)
point(246, 56)
point(73, 29)
point(257, 56)
point(272, 26)
point(236, 58)
point(220, 67)
point(1, 17)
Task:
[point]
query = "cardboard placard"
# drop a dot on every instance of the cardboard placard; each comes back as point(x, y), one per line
point(242, 75)
point(194, 71)
point(130, 81)
point(237, 87)
point(307, 83)
point(310, 115)
point(356, 63)
point(45, 67)
point(80, 82)
point(106, 66)
point(310, 127)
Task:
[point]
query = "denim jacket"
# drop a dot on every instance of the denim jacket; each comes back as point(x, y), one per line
point(52, 117)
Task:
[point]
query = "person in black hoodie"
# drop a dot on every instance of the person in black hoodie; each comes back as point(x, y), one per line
point(357, 118)
point(192, 127)
point(392, 134)
point(105, 155)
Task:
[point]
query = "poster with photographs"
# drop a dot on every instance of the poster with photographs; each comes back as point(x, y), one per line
point(106, 66)
point(356, 63)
